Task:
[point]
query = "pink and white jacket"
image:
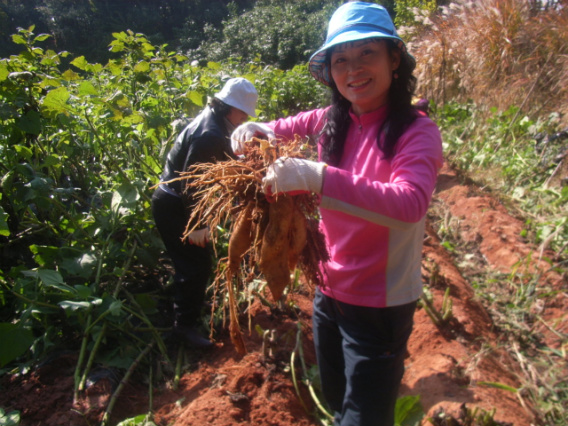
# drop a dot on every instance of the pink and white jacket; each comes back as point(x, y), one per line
point(373, 210)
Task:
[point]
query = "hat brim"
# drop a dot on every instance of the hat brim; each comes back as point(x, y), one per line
point(318, 66)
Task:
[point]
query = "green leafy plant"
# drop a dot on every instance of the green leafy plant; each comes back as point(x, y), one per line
point(408, 411)
point(439, 317)
point(466, 417)
point(83, 143)
point(512, 156)
point(9, 419)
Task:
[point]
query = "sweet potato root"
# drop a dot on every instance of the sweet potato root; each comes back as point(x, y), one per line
point(276, 244)
point(277, 236)
point(239, 243)
point(241, 238)
point(297, 237)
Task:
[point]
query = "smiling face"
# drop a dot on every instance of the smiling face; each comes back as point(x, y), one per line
point(362, 71)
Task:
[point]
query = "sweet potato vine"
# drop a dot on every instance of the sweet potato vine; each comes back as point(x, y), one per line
point(272, 237)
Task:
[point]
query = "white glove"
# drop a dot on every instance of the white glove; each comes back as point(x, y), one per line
point(293, 176)
point(199, 237)
point(246, 131)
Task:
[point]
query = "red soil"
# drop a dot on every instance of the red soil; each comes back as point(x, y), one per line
point(446, 366)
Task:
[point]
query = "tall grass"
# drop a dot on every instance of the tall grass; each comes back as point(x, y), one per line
point(497, 73)
point(495, 52)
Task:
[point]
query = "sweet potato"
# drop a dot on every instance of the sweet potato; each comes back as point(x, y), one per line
point(241, 237)
point(276, 244)
point(297, 237)
point(277, 237)
point(239, 243)
point(234, 330)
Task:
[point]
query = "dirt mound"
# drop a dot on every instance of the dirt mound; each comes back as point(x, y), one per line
point(464, 360)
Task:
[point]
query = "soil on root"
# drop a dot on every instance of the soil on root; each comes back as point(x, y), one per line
point(448, 365)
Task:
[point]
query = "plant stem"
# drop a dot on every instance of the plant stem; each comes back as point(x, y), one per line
point(28, 300)
point(141, 316)
point(101, 335)
point(179, 363)
point(123, 382)
point(151, 388)
point(83, 350)
point(92, 355)
point(293, 368)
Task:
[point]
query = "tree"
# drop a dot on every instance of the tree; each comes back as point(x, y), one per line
point(281, 34)
point(85, 27)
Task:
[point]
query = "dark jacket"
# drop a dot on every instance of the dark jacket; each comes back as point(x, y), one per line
point(205, 140)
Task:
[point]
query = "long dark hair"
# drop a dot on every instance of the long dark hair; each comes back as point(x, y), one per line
point(401, 114)
point(219, 107)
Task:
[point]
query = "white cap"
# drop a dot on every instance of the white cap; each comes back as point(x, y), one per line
point(239, 93)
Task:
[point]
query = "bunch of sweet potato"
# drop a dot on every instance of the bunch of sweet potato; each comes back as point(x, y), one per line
point(276, 237)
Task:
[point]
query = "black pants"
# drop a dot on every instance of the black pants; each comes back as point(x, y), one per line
point(360, 353)
point(193, 264)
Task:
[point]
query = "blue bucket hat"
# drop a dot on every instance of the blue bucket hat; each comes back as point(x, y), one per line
point(351, 22)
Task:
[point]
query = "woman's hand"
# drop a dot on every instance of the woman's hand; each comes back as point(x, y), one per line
point(245, 132)
point(293, 176)
point(199, 237)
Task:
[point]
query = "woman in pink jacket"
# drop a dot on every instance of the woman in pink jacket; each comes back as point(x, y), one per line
point(378, 162)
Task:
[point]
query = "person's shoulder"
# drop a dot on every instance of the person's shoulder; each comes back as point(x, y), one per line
point(314, 115)
point(209, 127)
point(423, 120)
point(318, 112)
point(423, 130)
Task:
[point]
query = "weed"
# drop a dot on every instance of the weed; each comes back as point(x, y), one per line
point(440, 317)
point(9, 419)
point(466, 417)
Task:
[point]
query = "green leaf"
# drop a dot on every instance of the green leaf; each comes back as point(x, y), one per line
point(4, 73)
point(115, 308)
point(126, 194)
point(24, 151)
point(9, 419)
point(115, 68)
point(4, 230)
point(95, 68)
point(142, 66)
point(56, 100)
point(54, 279)
point(15, 341)
point(18, 39)
point(408, 411)
point(83, 291)
point(215, 66)
point(120, 36)
point(44, 256)
point(41, 37)
point(82, 266)
point(147, 303)
point(50, 277)
point(131, 119)
point(52, 160)
point(70, 75)
point(140, 420)
point(87, 88)
point(80, 63)
point(74, 306)
point(30, 123)
point(498, 385)
point(196, 98)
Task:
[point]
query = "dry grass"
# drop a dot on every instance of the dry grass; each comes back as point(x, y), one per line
point(496, 53)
